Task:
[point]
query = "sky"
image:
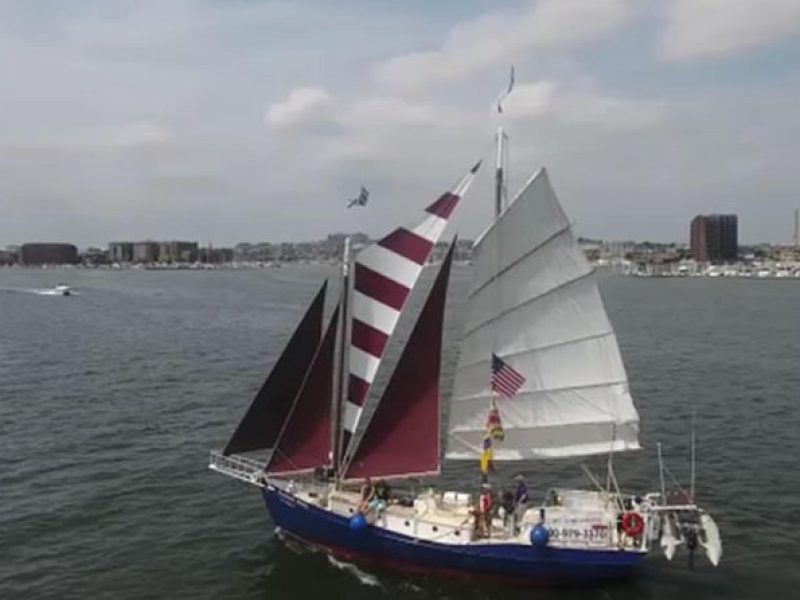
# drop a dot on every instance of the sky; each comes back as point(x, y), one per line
point(245, 120)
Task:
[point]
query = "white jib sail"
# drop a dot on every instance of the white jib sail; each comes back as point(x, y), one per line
point(534, 302)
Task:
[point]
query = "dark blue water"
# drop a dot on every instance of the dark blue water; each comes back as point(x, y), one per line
point(110, 400)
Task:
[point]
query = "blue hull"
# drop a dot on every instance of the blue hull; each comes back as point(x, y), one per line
point(504, 563)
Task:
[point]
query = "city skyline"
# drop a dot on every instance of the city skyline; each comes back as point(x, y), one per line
point(190, 119)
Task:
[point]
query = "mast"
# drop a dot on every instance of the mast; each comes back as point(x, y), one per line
point(500, 189)
point(340, 390)
point(499, 175)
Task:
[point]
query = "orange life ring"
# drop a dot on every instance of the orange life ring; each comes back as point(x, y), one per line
point(632, 524)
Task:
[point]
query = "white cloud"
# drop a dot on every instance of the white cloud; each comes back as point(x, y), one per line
point(530, 99)
point(304, 106)
point(142, 118)
point(709, 28)
point(128, 135)
point(382, 110)
point(114, 137)
point(582, 106)
point(502, 38)
point(609, 112)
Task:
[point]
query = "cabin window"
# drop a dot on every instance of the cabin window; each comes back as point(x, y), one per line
point(457, 532)
point(435, 528)
point(408, 524)
point(351, 510)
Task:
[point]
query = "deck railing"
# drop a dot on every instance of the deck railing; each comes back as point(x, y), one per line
point(237, 466)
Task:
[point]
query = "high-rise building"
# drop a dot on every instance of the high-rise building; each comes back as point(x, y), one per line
point(715, 238)
point(48, 254)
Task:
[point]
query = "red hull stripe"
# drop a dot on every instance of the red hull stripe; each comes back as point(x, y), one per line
point(381, 288)
point(368, 338)
point(444, 206)
point(407, 244)
point(357, 390)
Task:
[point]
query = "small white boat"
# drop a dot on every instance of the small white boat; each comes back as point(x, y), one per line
point(61, 289)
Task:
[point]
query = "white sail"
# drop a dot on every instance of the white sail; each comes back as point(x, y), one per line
point(534, 302)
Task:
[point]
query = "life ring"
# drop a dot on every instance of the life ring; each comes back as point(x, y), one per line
point(632, 524)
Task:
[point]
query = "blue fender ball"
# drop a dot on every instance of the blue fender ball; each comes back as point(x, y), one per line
point(358, 522)
point(540, 536)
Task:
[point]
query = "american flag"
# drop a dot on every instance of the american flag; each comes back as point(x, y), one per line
point(505, 380)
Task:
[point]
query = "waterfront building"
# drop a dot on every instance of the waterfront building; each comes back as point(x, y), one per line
point(145, 252)
point(714, 238)
point(120, 252)
point(48, 254)
point(172, 252)
point(7, 258)
point(216, 255)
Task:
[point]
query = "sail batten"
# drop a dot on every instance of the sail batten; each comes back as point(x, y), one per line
point(586, 386)
point(537, 248)
point(510, 311)
point(534, 302)
point(594, 336)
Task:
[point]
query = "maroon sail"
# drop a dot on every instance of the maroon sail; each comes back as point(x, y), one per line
point(264, 419)
point(305, 442)
point(402, 438)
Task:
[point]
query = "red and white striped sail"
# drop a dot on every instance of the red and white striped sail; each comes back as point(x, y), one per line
point(402, 437)
point(384, 275)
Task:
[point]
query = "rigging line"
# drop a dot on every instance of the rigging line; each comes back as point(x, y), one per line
point(528, 302)
point(585, 338)
point(591, 477)
point(286, 458)
point(299, 392)
point(675, 481)
point(538, 246)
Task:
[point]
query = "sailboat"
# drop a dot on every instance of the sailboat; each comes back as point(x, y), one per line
point(535, 307)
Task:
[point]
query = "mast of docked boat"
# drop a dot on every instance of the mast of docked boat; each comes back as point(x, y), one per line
point(341, 382)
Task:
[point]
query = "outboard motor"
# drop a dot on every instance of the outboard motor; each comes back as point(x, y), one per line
point(691, 544)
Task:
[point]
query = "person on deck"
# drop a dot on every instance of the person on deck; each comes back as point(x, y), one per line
point(485, 504)
point(380, 497)
point(520, 501)
point(508, 503)
point(367, 494)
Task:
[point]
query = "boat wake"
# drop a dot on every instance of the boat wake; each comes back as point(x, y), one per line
point(38, 291)
point(298, 547)
point(361, 576)
point(49, 292)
